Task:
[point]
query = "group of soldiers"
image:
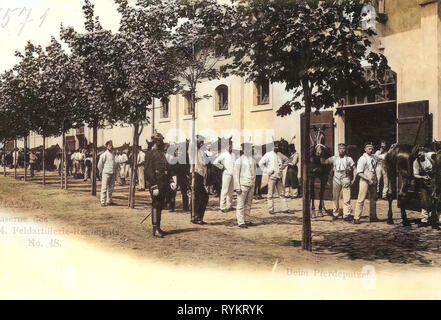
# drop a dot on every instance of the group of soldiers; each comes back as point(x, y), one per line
point(371, 169)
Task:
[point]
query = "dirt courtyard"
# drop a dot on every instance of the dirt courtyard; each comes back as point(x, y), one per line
point(271, 246)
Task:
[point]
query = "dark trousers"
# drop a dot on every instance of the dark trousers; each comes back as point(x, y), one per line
point(257, 185)
point(158, 202)
point(200, 198)
point(183, 186)
point(32, 167)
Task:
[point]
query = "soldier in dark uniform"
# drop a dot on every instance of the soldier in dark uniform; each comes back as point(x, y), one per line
point(159, 181)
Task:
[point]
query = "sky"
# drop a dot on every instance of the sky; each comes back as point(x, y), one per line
point(38, 20)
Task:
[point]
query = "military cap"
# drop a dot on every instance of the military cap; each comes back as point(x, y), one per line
point(341, 145)
point(369, 144)
point(383, 143)
point(109, 142)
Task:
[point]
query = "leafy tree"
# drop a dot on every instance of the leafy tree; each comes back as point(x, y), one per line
point(146, 68)
point(199, 24)
point(318, 49)
point(64, 102)
point(94, 54)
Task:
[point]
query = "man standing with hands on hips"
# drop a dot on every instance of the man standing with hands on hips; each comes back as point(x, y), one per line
point(366, 170)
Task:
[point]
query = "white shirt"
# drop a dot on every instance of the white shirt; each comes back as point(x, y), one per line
point(426, 165)
point(122, 158)
point(244, 172)
point(226, 161)
point(342, 166)
point(141, 157)
point(367, 164)
point(271, 164)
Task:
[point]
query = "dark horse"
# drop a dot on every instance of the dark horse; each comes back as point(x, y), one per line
point(399, 164)
point(318, 153)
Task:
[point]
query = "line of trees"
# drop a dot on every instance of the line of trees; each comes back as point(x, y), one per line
point(318, 49)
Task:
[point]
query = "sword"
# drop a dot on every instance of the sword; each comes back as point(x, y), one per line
point(143, 220)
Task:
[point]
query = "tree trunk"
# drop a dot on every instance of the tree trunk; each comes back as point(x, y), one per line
point(15, 160)
point(132, 188)
point(195, 155)
point(63, 161)
point(4, 158)
point(94, 154)
point(153, 116)
point(24, 158)
point(306, 235)
point(66, 161)
point(44, 165)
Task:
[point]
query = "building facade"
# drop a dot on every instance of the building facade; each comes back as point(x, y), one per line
point(409, 35)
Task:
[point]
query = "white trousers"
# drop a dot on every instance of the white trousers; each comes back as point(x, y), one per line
point(226, 197)
point(381, 173)
point(276, 185)
point(107, 185)
point(243, 207)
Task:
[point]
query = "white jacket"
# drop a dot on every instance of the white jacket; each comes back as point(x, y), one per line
point(272, 165)
point(107, 163)
point(225, 161)
point(244, 172)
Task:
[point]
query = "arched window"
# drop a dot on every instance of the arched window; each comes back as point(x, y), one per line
point(221, 98)
point(188, 110)
point(165, 108)
point(261, 92)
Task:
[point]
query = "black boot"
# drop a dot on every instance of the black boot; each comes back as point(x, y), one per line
point(156, 223)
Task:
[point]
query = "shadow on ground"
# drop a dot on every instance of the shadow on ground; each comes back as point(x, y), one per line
point(396, 245)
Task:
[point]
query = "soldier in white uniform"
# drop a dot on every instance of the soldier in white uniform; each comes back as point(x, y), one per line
point(366, 170)
point(381, 171)
point(140, 163)
point(244, 181)
point(423, 172)
point(107, 168)
point(226, 161)
point(272, 165)
point(343, 168)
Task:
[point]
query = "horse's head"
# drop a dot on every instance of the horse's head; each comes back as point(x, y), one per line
point(320, 148)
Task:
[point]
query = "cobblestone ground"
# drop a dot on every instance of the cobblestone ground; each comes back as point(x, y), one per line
point(273, 243)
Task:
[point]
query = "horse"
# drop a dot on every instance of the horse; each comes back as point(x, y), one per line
point(318, 170)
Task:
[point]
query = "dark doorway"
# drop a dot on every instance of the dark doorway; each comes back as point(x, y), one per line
point(374, 123)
